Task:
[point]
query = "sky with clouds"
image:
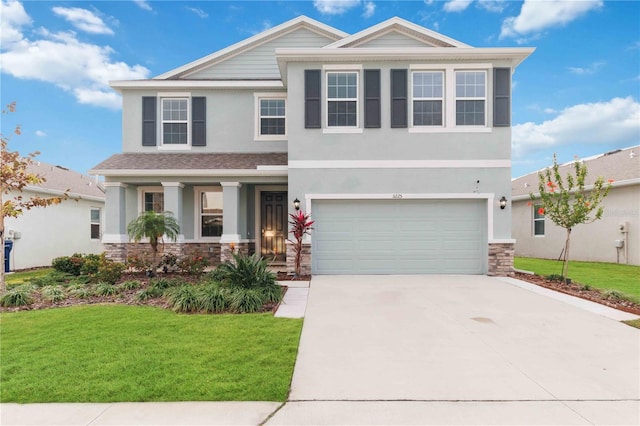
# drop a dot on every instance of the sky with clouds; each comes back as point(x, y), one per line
point(578, 94)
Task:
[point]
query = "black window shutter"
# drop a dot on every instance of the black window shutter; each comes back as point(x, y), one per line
point(372, 99)
point(502, 97)
point(149, 114)
point(199, 121)
point(312, 99)
point(398, 98)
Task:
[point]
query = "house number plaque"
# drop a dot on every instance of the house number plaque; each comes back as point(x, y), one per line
point(397, 196)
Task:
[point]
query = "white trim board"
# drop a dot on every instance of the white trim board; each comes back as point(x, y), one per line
point(398, 164)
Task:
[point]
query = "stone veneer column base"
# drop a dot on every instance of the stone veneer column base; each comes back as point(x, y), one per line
point(120, 251)
point(227, 250)
point(501, 259)
point(305, 259)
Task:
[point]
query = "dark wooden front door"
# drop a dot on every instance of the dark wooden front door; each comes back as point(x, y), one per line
point(273, 220)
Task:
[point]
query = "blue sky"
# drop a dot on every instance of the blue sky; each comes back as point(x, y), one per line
point(577, 95)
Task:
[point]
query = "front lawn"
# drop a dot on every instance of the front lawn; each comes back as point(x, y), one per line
point(604, 276)
point(109, 353)
point(17, 278)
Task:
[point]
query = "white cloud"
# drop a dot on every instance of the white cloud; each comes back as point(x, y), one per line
point(591, 69)
point(83, 20)
point(614, 122)
point(143, 4)
point(496, 6)
point(201, 13)
point(40, 134)
point(456, 5)
point(82, 69)
point(369, 9)
point(334, 7)
point(536, 16)
point(14, 17)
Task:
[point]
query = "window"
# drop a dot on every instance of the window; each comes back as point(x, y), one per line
point(342, 99)
point(538, 220)
point(271, 112)
point(95, 223)
point(154, 201)
point(210, 213)
point(470, 98)
point(428, 93)
point(175, 119)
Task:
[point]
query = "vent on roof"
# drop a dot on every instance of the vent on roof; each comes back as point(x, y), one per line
point(612, 152)
point(63, 168)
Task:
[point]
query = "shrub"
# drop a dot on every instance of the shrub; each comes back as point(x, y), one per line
point(193, 265)
point(106, 289)
point(91, 263)
point(53, 293)
point(80, 291)
point(149, 293)
point(246, 300)
point(614, 295)
point(184, 298)
point(138, 263)
point(169, 262)
point(109, 271)
point(131, 285)
point(52, 278)
point(213, 298)
point(21, 295)
point(69, 264)
point(247, 272)
point(272, 294)
point(555, 277)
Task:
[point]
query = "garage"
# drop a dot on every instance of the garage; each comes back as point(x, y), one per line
point(399, 236)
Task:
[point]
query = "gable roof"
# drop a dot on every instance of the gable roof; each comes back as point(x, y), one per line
point(251, 42)
point(399, 25)
point(60, 179)
point(622, 165)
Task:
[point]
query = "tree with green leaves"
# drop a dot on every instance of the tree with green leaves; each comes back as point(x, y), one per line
point(15, 177)
point(154, 226)
point(567, 202)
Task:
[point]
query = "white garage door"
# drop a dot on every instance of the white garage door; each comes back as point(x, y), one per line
point(399, 237)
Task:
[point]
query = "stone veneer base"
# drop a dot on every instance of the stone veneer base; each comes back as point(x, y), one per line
point(500, 262)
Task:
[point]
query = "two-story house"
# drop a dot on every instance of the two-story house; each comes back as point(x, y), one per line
point(396, 139)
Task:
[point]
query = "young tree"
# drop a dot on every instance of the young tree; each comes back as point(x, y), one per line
point(154, 225)
point(300, 226)
point(566, 201)
point(14, 177)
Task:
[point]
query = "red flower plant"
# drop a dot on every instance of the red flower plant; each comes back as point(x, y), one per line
point(541, 211)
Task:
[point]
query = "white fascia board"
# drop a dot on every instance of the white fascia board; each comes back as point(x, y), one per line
point(195, 84)
point(193, 172)
point(397, 164)
point(615, 184)
point(59, 193)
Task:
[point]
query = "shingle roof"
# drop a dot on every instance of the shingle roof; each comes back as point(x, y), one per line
point(59, 178)
point(618, 165)
point(193, 161)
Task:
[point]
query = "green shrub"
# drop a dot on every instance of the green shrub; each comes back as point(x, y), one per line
point(80, 291)
point(53, 293)
point(555, 277)
point(21, 295)
point(68, 264)
point(614, 295)
point(149, 293)
point(81, 280)
point(109, 271)
point(105, 289)
point(184, 298)
point(131, 285)
point(193, 265)
point(585, 287)
point(248, 272)
point(91, 263)
point(165, 283)
point(246, 300)
point(213, 298)
point(138, 263)
point(52, 278)
point(272, 294)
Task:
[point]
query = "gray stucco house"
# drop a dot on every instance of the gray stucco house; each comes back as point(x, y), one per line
point(396, 139)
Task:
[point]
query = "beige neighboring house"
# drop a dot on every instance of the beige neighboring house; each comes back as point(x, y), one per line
point(74, 226)
point(614, 238)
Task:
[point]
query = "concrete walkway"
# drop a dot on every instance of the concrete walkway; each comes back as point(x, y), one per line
point(294, 303)
point(422, 350)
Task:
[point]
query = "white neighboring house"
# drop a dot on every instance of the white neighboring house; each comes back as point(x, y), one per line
point(74, 226)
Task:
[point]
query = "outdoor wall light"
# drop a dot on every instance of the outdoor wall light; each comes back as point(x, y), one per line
point(503, 202)
point(296, 204)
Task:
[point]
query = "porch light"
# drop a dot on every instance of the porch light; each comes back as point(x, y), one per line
point(503, 202)
point(296, 204)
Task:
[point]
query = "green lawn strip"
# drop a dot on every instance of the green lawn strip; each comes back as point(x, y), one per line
point(605, 276)
point(633, 323)
point(124, 353)
point(17, 278)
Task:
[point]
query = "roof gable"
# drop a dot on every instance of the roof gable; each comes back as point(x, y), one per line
point(399, 30)
point(295, 27)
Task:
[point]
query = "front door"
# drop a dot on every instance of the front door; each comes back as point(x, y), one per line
point(273, 222)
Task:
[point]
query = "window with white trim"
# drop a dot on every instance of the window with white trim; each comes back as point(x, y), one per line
point(538, 220)
point(428, 98)
point(471, 98)
point(210, 212)
point(271, 116)
point(342, 99)
point(153, 201)
point(95, 223)
point(175, 121)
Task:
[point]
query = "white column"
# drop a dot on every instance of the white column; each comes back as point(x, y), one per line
point(230, 212)
point(115, 219)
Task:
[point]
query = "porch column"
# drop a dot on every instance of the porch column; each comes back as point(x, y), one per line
point(230, 212)
point(173, 203)
point(115, 219)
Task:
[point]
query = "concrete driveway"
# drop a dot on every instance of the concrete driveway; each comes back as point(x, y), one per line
point(472, 347)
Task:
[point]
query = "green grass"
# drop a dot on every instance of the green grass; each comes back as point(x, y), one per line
point(633, 323)
point(18, 278)
point(604, 276)
point(103, 353)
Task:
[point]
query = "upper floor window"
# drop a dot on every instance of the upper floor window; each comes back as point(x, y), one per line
point(271, 116)
point(342, 99)
point(95, 223)
point(538, 220)
point(471, 98)
point(428, 98)
point(175, 121)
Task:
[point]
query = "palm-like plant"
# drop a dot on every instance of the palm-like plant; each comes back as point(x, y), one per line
point(153, 226)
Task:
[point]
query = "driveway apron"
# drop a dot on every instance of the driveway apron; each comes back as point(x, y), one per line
point(458, 338)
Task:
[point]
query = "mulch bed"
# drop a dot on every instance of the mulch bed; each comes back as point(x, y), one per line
point(578, 290)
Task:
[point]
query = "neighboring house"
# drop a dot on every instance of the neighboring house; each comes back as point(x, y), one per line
point(74, 226)
point(614, 238)
point(396, 139)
